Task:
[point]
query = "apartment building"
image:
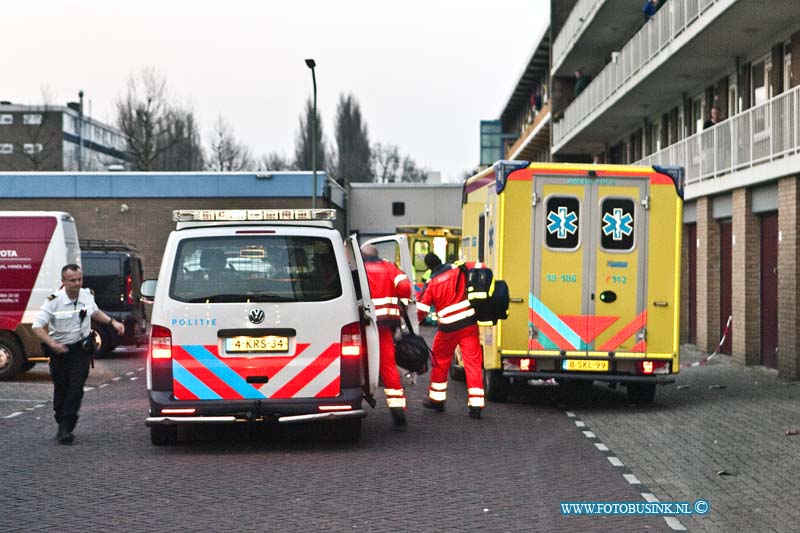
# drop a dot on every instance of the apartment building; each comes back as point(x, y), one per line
point(53, 138)
point(653, 85)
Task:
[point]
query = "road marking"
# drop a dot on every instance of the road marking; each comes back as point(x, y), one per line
point(134, 378)
point(19, 400)
point(139, 369)
point(589, 434)
point(615, 461)
point(674, 523)
point(12, 415)
point(87, 389)
point(631, 479)
point(648, 497)
point(102, 385)
point(37, 406)
point(600, 446)
point(116, 378)
point(580, 423)
point(128, 373)
point(570, 414)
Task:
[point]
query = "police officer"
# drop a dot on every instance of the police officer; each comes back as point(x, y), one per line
point(68, 316)
point(388, 285)
point(457, 326)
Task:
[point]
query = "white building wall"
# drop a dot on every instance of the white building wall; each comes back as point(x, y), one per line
point(425, 204)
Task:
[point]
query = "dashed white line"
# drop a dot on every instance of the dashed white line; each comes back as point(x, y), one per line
point(570, 414)
point(87, 389)
point(128, 373)
point(589, 434)
point(580, 423)
point(12, 415)
point(17, 400)
point(615, 461)
point(134, 378)
point(102, 385)
point(600, 446)
point(674, 523)
point(39, 405)
point(633, 480)
point(116, 378)
point(649, 497)
point(139, 369)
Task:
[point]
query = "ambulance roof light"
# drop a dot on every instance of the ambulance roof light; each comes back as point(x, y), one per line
point(231, 215)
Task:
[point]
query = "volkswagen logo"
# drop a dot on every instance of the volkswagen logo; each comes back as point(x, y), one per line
point(256, 316)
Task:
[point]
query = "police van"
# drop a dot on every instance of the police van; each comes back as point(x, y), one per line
point(34, 247)
point(260, 315)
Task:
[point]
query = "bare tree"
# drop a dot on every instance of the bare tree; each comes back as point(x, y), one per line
point(227, 154)
point(186, 153)
point(352, 160)
point(385, 162)
point(302, 147)
point(411, 172)
point(150, 124)
point(274, 161)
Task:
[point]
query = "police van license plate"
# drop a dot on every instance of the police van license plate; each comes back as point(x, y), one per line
point(588, 365)
point(268, 344)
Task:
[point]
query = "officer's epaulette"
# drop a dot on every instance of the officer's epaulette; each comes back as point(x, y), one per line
point(91, 291)
point(51, 297)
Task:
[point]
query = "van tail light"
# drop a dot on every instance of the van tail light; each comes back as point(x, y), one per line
point(352, 340)
point(129, 290)
point(649, 368)
point(160, 343)
point(161, 358)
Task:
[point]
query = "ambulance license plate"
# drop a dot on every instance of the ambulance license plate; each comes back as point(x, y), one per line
point(587, 365)
point(268, 344)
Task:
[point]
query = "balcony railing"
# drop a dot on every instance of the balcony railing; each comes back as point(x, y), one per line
point(670, 21)
point(578, 17)
point(761, 134)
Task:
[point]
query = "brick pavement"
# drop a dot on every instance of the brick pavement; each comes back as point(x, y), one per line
point(718, 433)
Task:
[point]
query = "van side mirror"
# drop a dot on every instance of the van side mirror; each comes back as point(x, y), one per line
point(149, 290)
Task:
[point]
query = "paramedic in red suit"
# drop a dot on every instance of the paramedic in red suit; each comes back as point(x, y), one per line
point(457, 326)
point(388, 285)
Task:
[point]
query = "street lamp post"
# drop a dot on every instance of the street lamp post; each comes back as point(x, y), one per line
point(310, 63)
point(80, 131)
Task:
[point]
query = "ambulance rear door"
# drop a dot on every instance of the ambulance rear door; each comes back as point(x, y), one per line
point(588, 267)
point(395, 248)
point(367, 310)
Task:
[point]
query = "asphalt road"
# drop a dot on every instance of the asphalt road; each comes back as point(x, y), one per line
point(506, 472)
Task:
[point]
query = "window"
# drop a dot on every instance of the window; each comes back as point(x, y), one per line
point(6, 119)
point(398, 208)
point(563, 222)
point(759, 83)
point(256, 269)
point(421, 249)
point(32, 148)
point(6, 148)
point(697, 114)
point(617, 224)
point(32, 120)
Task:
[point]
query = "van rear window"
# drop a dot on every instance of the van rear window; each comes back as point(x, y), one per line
point(269, 268)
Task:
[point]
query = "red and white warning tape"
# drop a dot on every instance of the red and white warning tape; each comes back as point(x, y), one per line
point(705, 360)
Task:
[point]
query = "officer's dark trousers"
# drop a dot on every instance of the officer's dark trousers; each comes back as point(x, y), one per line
point(69, 372)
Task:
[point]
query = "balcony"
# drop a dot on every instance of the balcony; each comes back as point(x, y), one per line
point(738, 151)
point(534, 138)
point(686, 46)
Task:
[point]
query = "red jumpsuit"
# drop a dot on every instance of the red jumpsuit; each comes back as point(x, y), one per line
point(387, 285)
point(447, 292)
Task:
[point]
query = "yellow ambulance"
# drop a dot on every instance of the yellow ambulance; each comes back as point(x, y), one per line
point(591, 255)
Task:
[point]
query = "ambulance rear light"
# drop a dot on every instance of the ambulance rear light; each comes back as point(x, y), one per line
point(335, 407)
point(178, 411)
point(352, 340)
point(160, 343)
point(233, 215)
point(649, 368)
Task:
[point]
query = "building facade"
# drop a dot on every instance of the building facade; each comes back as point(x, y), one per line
point(709, 85)
point(53, 138)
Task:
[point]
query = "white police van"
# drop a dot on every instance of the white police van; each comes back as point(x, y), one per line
point(260, 315)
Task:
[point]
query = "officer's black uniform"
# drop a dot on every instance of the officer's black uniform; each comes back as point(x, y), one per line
point(69, 324)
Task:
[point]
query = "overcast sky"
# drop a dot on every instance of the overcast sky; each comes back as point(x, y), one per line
point(424, 71)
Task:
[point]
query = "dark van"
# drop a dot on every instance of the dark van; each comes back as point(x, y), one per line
point(113, 270)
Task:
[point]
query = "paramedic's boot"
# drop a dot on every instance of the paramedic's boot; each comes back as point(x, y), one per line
point(475, 412)
point(427, 403)
point(64, 436)
point(398, 418)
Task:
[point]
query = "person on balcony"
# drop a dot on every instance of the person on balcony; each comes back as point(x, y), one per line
point(649, 9)
point(581, 81)
point(716, 117)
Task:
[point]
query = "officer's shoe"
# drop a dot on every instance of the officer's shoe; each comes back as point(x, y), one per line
point(475, 412)
point(427, 403)
point(398, 418)
point(64, 436)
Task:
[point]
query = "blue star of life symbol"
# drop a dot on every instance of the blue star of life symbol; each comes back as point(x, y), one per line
point(562, 222)
point(617, 224)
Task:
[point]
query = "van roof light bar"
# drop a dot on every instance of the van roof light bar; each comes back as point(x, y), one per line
point(232, 215)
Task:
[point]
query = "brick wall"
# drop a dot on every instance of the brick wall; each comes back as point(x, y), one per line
point(708, 273)
point(788, 257)
point(746, 341)
point(147, 222)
